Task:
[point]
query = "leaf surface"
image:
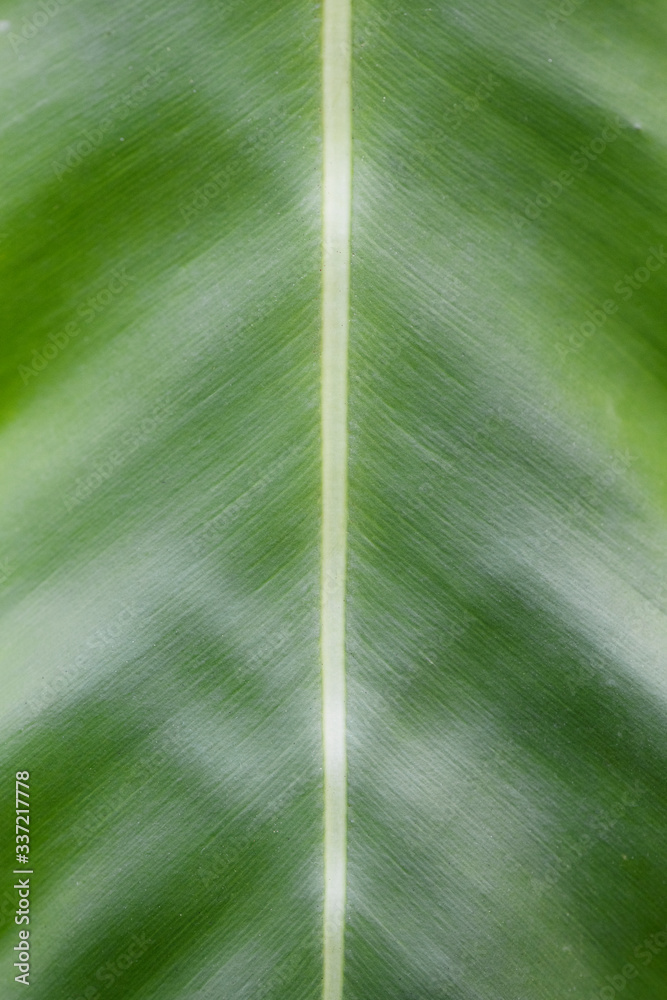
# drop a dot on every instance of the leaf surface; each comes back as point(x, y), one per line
point(161, 504)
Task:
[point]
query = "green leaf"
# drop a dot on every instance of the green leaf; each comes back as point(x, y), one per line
point(497, 556)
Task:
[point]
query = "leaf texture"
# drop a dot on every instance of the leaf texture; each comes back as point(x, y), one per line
point(160, 526)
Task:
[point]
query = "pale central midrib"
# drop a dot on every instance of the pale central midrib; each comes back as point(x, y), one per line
point(336, 206)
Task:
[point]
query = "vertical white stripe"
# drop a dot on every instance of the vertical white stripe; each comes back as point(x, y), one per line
point(336, 207)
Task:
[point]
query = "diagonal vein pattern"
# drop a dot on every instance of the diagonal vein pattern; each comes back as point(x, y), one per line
point(337, 184)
